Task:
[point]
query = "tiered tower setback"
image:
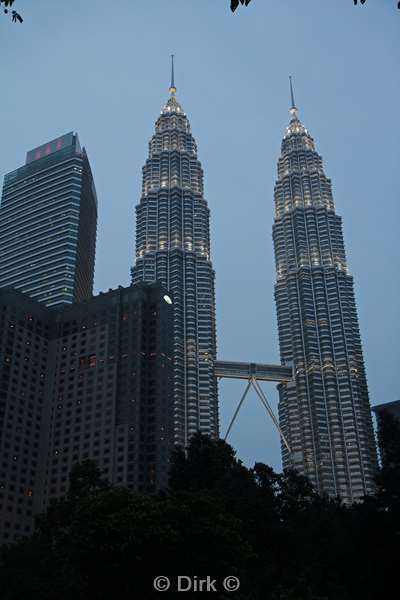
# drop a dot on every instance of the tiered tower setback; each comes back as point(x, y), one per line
point(173, 246)
point(325, 412)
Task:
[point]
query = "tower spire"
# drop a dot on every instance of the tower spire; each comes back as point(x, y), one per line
point(172, 88)
point(291, 92)
point(293, 109)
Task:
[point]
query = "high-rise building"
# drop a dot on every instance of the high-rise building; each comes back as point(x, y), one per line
point(325, 413)
point(92, 380)
point(173, 246)
point(388, 432)
point(24, 353)
point(48, 220)
point(392, 408)
point(112, 397)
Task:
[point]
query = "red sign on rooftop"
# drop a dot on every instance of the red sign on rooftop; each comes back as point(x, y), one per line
point(50, 147)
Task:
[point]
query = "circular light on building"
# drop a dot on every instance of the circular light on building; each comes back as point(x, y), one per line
point(167, 299)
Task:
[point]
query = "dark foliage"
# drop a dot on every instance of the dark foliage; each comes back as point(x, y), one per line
point(219, 518)
point(14, 15)
point(235, 3)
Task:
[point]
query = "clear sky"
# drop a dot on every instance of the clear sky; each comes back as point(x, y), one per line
point(82, 66)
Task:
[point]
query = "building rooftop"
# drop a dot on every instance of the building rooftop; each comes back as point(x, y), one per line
point(391, 407)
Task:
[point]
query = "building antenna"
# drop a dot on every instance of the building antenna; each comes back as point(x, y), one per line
point(293, 109)
point(291, 92)
point(172, 88)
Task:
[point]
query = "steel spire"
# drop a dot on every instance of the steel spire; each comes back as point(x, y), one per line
point(172, 88)
point(293, 109)
point(291, 92)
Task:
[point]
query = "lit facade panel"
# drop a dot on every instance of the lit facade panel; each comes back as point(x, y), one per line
point(324, 412)
point(48, 220)
point(173, 246)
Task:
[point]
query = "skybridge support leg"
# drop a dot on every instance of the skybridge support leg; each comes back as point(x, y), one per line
point(237, 410)
point(268, 408)
point(252, 381)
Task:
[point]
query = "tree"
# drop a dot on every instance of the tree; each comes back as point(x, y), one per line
point(203, 466)
point(271, 530)
point(15, 17)
point(103, 541)
point(235, 3)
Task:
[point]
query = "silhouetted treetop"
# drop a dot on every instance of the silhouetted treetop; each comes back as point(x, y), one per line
point(271, 530)
point(14, 15)
point(235, 3)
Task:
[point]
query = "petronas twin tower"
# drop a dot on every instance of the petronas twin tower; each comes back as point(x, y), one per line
point(324, 412)
point(173, 246)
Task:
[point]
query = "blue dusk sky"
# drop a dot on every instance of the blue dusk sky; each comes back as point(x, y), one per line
point(103, 72)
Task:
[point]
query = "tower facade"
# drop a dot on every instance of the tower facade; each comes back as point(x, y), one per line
point(173, 246)
point(325, 413)
point(48, 221)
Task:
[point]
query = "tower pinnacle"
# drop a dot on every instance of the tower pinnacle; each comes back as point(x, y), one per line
point(293, 109)
point(172, 88)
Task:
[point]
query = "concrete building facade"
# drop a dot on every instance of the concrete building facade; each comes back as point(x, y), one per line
point(91, 380)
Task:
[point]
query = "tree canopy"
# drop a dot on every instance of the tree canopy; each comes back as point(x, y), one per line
point(16, 17)
point(7, 4)
point(235, 3)
point(218, 518)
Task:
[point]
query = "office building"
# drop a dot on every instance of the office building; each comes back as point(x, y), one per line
point(173, 246)
point(92, 380)
point(48, 220)
point(388, 432)
point(111, 397)
point(325, 413)
point(24, 356)
point(392, 408)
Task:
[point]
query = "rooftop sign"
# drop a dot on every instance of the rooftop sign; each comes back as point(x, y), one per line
point(54, 146)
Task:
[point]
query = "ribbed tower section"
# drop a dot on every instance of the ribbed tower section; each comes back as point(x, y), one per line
point(325, 414)
point(173, 246)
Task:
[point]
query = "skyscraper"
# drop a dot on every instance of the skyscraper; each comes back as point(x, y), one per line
point(48, 220)
point(111, 395)
point(325, 413)
point(173, 246)
point(392, 408)
point(92, 380)
point(24, 354)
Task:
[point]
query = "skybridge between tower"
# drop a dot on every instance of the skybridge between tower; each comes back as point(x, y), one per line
point(253, 373)
point(243, 370)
